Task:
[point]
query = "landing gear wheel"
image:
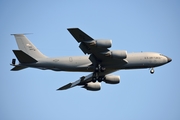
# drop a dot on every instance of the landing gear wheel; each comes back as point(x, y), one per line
point(103, 69)
point(97, 69)
point(152, 71)
point(94, 79)
point(100, 79)
point(96, 74)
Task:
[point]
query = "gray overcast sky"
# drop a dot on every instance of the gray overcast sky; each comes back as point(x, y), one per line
point(132, 25)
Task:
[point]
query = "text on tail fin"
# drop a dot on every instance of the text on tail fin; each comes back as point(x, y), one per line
point(26, 46)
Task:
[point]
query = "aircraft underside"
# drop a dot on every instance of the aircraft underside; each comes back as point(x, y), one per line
point(100, 61)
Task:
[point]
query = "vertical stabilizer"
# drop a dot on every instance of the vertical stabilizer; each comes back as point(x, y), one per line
point(26, 46)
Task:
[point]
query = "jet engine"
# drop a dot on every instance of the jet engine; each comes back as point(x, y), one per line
point(117, 54)
point(100, 43)
point(92, 86)
point(112, 79)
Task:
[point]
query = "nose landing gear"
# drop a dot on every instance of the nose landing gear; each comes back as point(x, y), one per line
point(152, 71)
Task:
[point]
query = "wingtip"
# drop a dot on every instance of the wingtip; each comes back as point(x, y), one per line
point(21, 33)
point(65, 87)
point(58, 89)
point(75, 28)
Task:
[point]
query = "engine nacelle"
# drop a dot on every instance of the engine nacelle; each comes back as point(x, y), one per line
point(100, 43)
point(93, 86)
point(117, 54)
point(112, 79)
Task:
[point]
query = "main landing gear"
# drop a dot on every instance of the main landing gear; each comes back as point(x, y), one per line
point(96, 74)
point(152, 71)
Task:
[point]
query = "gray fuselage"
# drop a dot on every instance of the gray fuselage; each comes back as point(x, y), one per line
point(83, 64)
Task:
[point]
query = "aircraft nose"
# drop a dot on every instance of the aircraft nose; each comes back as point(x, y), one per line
point(169, 59)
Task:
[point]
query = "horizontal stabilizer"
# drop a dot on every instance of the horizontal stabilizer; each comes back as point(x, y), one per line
point(16, 68)
point(23, 57)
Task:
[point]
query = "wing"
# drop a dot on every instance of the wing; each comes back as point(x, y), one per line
point(98, 49)
point(84, 81)
point(90, 46)
point(100, 56)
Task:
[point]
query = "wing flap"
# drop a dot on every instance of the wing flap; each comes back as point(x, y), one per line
point(84, 48)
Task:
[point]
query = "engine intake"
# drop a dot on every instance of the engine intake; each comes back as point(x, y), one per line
point(100, 43)
point(112, 79)
point(117, 54)
point(92, 86)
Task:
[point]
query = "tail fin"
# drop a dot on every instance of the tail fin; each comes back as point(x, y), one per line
point(26, 46)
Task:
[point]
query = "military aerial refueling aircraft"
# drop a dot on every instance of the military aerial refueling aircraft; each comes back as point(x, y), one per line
point(100, 61)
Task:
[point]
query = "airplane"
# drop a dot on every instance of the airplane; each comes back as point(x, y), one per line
point(100, 61)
